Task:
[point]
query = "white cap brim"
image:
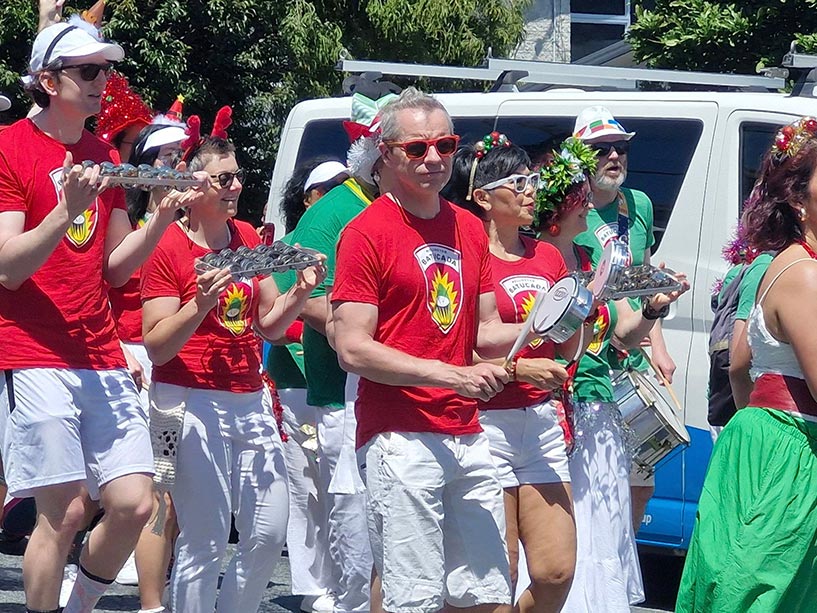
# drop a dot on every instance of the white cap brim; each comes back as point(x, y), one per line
point(5, 103)
point(165, 136)
point(323, 173)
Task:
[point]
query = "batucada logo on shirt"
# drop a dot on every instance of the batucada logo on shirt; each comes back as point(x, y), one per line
point(84, 225)
point(442, 269)
point(600, 327)
point(608, 232)
point(234, 307)
point(522, 290)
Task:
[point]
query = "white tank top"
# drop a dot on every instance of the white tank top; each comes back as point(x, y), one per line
point(769, 355)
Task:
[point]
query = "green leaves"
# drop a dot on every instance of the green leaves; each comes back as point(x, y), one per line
point(713, 35)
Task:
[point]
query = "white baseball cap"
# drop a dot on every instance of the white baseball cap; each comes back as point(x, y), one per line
point(63, 41)
point(597, 121)
point(5, 103)
point(323, 173)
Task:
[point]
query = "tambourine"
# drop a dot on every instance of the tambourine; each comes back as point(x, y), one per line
point(262, 260)
point(562, 310)
point(144, 176)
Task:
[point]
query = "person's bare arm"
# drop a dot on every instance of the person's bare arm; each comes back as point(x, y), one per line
point(494, 338)
point(660, 356)
point(740, 360)
point(315, 313)
point(167, 324)
point(354, 327)
point(277, 311)
point(22, 253)
point(50, 13)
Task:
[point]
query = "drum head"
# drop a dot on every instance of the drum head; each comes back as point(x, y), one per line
point(613, 260)
point(549, 308)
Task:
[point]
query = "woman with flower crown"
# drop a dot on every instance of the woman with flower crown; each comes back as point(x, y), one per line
point(607, 578)
point(200, 333)
point(754, 543)
point(494, 181)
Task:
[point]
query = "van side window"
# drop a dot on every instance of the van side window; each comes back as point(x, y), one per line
point(755, 140)
point(658, 160)
point(327, 136)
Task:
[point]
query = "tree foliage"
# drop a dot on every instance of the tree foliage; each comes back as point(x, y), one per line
point(263, 56)
point(719, 36)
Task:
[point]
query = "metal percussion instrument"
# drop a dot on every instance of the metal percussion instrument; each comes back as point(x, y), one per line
point(653, 431)
point(144, 176)
point(262, 260)
point(615, 278)
point(562, 310)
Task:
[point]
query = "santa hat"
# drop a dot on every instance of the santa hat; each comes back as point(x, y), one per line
point(121, 108)
point(174, 116)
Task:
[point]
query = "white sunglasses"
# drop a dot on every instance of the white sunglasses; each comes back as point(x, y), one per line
point(520, 182)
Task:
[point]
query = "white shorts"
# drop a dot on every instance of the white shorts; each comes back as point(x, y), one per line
point(59, 425)
point(528, 445)
point(141, 354)
point(436, 521)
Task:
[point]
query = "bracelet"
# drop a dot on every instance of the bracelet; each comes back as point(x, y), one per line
point(648, 313)
point(512, 368)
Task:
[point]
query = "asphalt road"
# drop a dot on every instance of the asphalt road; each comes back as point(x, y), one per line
point(661, 576)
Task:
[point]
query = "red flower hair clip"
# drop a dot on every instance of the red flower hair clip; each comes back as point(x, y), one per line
point(791, 138)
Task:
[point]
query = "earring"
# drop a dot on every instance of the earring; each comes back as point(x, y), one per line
point(802, 215)
point(554, 229)
point(376, 177)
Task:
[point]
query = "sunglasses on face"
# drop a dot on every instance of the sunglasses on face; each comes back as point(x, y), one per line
point(89, 72)
point(417, 149)
point(225, 179)
point(621, 147)
point(520, 182)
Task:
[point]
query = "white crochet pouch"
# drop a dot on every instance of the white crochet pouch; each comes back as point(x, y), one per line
point(165, 435)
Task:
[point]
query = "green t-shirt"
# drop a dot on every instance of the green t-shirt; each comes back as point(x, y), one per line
point(285, 363)
point(749, 283)
point(319, 229)
point(602, 227)
point(592, 381)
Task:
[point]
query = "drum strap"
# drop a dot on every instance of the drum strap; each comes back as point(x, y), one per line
point(783, 393)
point(623, 218)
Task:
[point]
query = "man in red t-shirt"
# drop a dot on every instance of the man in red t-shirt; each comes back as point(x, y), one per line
point(412, 300)
point(71, 423)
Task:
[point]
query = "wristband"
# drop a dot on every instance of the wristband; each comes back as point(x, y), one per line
point(512, 368)
point(648, 313)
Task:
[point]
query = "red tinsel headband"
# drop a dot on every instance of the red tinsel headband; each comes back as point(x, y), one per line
point(223, 120)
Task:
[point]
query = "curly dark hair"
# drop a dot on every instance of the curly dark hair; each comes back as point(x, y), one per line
point(770, 221)
point(292, 204)
point(499, 162)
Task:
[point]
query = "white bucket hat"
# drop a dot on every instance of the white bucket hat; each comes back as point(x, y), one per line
point(597, 121)
point(62, 41)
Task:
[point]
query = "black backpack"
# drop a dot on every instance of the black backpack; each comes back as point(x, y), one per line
point(721, 403)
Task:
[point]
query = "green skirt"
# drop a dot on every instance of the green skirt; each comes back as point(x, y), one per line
point(754, 546)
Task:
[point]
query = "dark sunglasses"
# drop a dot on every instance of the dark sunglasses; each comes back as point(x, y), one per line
point(622, 147)
point(418, 149)
point(225, 179)
point(89, 72)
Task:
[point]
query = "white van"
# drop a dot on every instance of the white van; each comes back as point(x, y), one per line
point(695, 154)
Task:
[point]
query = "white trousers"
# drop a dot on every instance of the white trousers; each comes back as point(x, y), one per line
point(307, 546)
point(230, 461)
point(348, 531)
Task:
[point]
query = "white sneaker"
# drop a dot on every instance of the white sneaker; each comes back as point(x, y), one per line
point(128, 576)
point(322, 603)
point(69, 578)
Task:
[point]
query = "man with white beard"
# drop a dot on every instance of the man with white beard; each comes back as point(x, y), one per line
point(627, 214)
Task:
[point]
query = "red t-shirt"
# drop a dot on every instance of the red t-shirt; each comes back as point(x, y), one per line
point(126, 306)
point(425, 277)
point(223, 353)
point(516, 284)
point(59, 317)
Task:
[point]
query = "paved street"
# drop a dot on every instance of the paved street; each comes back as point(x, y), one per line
point(660, 574)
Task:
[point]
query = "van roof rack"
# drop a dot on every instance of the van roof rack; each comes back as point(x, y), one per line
point(801, 68)
point(510, 74)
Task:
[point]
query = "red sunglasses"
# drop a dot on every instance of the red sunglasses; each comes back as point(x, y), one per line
point(418, 149)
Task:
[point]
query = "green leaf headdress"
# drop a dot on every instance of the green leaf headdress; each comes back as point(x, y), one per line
point(574, 160)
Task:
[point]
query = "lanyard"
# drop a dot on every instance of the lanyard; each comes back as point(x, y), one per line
point(623, 219)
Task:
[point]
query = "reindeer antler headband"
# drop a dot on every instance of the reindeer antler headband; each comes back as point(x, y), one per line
point(194, 140)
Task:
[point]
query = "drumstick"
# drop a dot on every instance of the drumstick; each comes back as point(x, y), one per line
point(664, 380)
point(520, 342)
